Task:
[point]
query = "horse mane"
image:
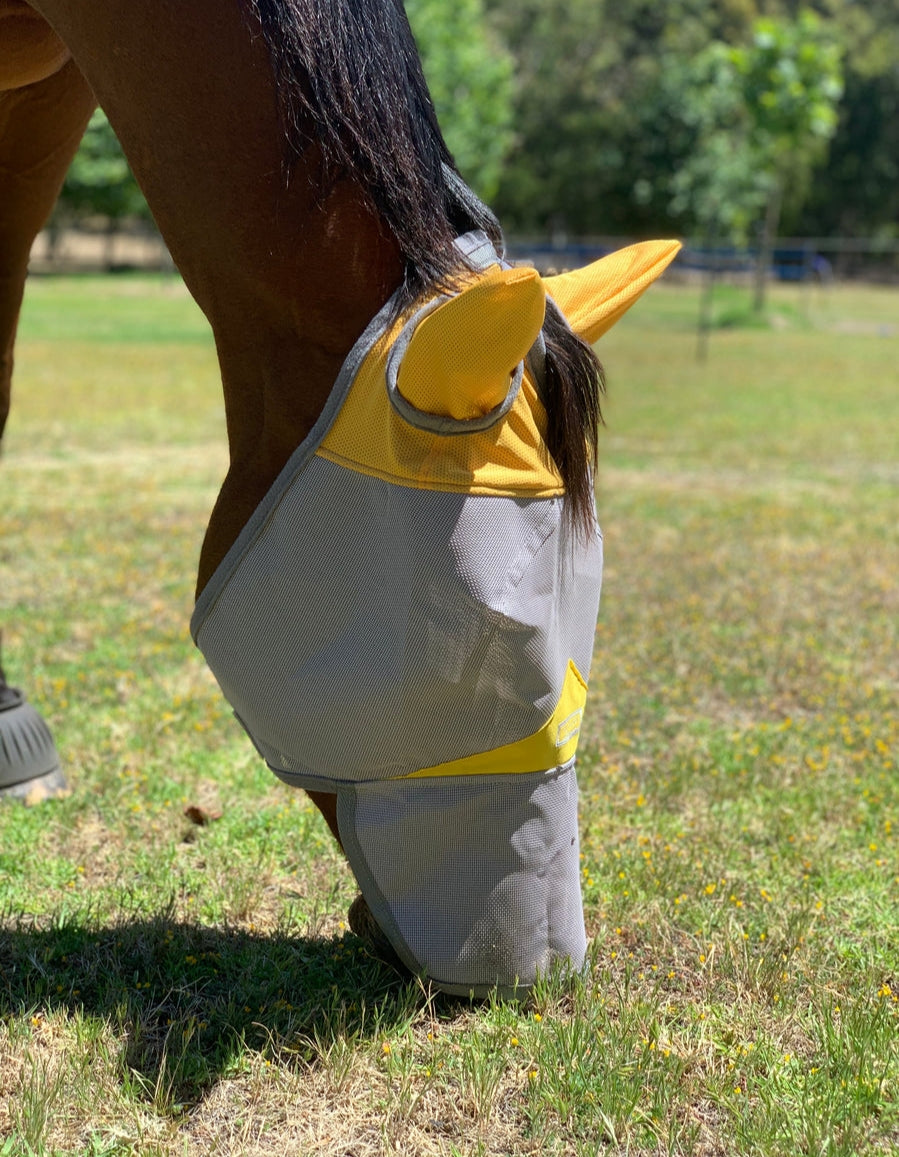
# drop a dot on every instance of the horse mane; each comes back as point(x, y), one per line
point(350, 84)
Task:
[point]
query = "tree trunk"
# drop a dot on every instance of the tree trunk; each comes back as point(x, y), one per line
point(110, 232)
point(705, 302)
point(766, 248)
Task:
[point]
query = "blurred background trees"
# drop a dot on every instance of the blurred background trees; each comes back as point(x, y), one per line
point(611, 137)
point(470, 74)
point(762, 114)
point(636, 117)
point(99, 187)
point(99, 181)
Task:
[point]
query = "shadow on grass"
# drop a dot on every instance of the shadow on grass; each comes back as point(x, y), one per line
point(190, 1003)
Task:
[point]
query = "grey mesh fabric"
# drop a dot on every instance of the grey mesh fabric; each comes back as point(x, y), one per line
point(476, 875)
point(363, 631)
point(404, 612)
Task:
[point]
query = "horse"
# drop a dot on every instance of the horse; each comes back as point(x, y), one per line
point(293, 162)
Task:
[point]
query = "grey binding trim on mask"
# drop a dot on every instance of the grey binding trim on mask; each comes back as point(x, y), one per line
point(307, 781)
point(479, 253)
point(298, 460)
point(469, 200)
point(536, 363)
point(440, 423)
point(478, 250)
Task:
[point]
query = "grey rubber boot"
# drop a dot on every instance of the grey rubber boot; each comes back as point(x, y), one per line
point(29, 762)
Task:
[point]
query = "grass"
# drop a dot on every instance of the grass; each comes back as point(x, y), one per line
point(168, 988)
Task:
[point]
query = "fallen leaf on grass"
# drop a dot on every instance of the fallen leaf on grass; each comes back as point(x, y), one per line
point(201, 816)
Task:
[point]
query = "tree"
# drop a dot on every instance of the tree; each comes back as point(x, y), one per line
point(596, 136)
point(791, 80)
point(762, 115)
point(99, 181)
point(469, 74)
point(719, 187)
point(855, 190)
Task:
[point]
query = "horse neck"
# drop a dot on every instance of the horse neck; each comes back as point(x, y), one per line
point(281, 348)
point(287, 281)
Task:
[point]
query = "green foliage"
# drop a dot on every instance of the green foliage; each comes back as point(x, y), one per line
point(857, 190)
point(99, 181)
point(598, 132)
point(601, 123)
point(719, 187)
point(470, 77)
point(577, 103)
point(761, 114)
point(791, 80)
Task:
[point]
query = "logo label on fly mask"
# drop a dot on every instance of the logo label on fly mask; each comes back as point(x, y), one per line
point(569, 728)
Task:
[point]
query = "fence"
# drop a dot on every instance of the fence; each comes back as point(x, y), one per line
point(799, 259)
point(101, 245)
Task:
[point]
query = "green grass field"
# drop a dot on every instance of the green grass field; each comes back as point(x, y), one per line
point(168, 988)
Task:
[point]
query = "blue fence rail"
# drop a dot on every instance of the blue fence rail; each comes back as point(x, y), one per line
point(809, 260)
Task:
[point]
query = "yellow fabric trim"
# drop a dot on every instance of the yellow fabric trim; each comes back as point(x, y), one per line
point(554, 744)
point(458, 364)
point(509, 459)
point(595, 297)
point(481, 490)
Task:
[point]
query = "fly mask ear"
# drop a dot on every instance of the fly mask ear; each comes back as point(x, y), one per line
point(595, 297)
point(457, 359)
point(462, 356)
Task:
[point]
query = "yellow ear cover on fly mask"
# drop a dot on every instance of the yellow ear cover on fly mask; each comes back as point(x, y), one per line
point(595, 297)
point(462, 354)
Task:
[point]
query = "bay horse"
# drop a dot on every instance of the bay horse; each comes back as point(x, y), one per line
point(291, 156)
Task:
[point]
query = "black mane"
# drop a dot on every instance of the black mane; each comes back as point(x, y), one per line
point(350, 83)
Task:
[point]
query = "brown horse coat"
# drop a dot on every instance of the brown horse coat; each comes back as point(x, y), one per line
point(287, 286)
